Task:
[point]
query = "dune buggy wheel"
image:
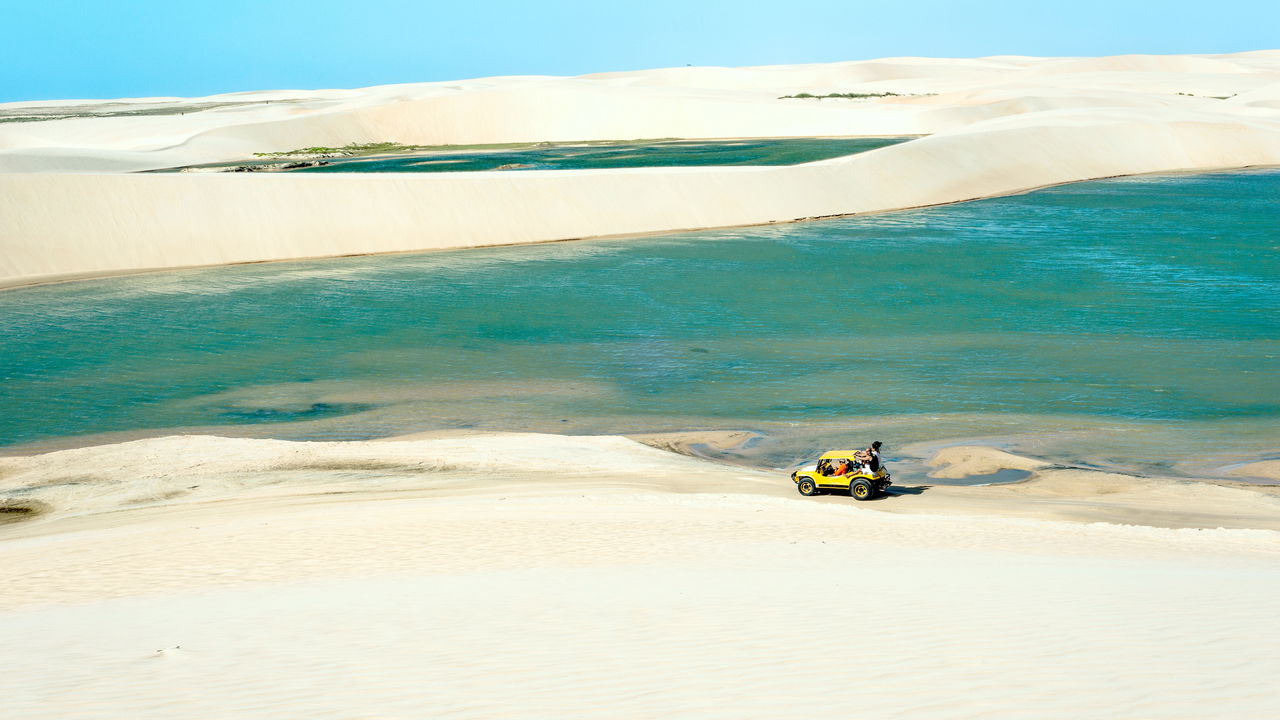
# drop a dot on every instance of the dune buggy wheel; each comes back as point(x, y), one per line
point(862, 490)
point(807, 487)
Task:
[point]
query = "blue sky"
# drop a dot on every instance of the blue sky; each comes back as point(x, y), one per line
point(91, 49)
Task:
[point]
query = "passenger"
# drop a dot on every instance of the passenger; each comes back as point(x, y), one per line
point(874, 452)
point(870, 458)
point(863, 459)
point(842, 468)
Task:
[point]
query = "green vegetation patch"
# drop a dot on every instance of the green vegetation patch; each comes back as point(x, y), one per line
point(350, 150)
point(386, 148)
point(852, 95)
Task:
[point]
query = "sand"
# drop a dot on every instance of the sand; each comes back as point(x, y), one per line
point(598, 577)
point(959, 461)
point(1264, 470)
point(69, 207)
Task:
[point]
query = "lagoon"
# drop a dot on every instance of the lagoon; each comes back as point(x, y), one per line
point(595, 155)
point(1131, 323)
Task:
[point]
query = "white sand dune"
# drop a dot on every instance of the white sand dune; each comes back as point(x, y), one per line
point(995, 126)
point(598, 578)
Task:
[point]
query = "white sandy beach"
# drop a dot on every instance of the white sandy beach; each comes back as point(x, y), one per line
point(69, 207)
point(490, 575)
point(597, 577)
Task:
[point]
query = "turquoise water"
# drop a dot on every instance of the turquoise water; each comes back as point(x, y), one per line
point(549, 156)
point(1129, 323)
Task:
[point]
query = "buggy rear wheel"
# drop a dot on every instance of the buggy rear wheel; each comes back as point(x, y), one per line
point(862, 490)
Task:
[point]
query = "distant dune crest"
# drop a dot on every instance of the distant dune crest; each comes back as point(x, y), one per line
point(68, 206)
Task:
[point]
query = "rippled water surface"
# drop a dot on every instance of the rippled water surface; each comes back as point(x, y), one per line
point(1131, 322)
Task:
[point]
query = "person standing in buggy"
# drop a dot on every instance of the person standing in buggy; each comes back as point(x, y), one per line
point(869, 458)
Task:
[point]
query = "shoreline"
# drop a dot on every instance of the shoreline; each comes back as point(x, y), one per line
point(7, 284)
point(725, 445)
point(766, 445)
point(179, 472)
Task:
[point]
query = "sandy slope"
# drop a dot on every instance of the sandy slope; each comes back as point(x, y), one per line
point(68, 487)
point(533, 576)
point(996, 125)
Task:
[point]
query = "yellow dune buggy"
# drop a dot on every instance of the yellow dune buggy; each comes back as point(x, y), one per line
point(862, 484)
